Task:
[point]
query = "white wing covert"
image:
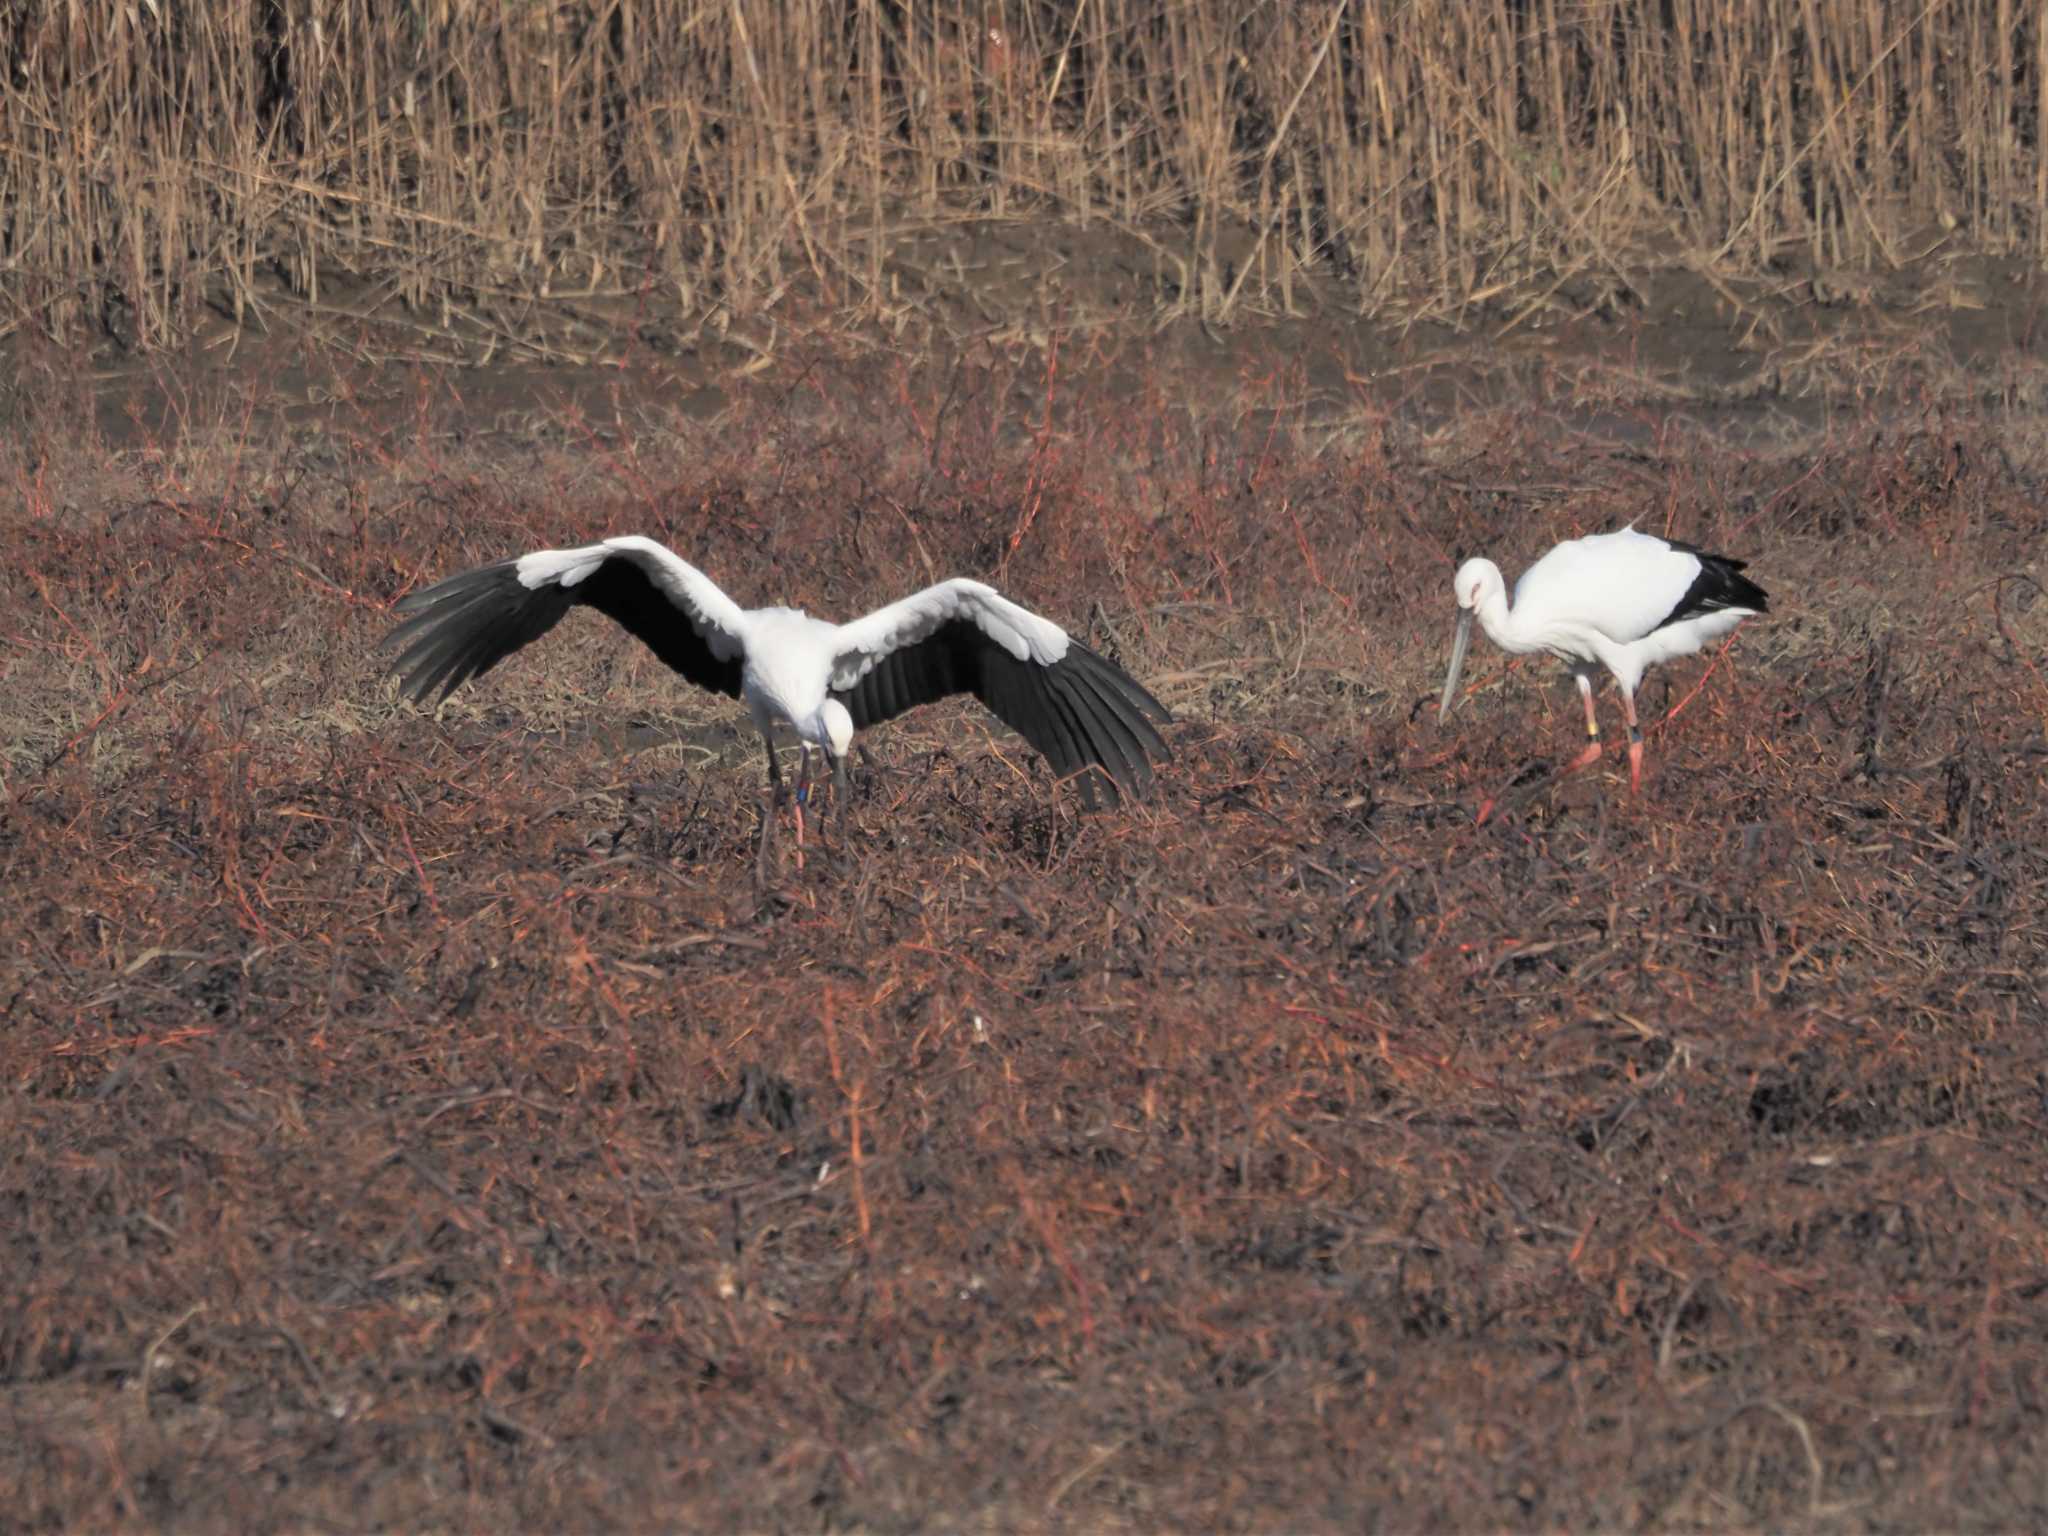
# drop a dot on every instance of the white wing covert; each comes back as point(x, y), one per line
point(1020, 632)
point(716, 617)
point(463, 626)
point(1079, 711)
point(1624, 584)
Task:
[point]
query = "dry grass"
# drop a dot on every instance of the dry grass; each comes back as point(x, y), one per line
point(428, 1124)
point(532, 176)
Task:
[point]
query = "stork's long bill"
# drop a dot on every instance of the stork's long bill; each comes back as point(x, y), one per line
point(1460, 643)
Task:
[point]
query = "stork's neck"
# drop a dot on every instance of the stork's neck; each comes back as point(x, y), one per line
point(1500, 624)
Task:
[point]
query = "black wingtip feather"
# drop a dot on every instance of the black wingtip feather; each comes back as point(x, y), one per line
point(1103, 670)
point(466, 625)
point(463, 626)
point(1747, 594)
point(1719, 586)
point(1132, 707)
point(1090, 720)
point(1036, 714)
point(1126, 758)
point(1091, 736)
point(463, 586)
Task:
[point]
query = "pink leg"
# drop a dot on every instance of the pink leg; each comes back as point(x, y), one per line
point(803, 789)
point(1591, 755)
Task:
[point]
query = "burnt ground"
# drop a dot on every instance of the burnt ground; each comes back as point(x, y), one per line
point(422, 1121)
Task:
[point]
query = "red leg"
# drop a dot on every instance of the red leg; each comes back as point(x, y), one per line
point(1591, 755)
point(803, 790)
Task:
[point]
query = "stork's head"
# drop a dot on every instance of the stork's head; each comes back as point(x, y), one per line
point(838, 727)
point(1477, 580)
point(1477, 585)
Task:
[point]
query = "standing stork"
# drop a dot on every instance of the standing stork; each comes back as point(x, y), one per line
point(1083, 714)
point(1624, 601)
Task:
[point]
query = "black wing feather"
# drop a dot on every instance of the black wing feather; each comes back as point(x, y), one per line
point(1133, 763)
point(1014, 696)
point(1028, 705)
point(464, 626)
point(1080, 712)
point(1124, 703)
point(1108, 675)
point(1106, 746)
point(1720, 585)
point(1083, 751)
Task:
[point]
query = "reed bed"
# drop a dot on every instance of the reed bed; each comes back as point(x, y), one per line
point(479, 166)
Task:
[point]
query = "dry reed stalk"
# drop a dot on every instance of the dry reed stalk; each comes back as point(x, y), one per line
point(473, 162)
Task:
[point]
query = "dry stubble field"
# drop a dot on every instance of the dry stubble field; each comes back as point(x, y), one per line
point(423, 1122)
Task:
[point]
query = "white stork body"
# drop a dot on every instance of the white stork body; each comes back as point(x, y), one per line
point(780, 679)
point(823, 680)
point(1624, 601)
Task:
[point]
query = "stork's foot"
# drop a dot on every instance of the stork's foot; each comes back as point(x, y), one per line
point(1585, 759)
point(1635, 744)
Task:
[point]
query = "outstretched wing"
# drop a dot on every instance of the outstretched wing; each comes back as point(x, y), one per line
point(1078, 710)
point(464, 626)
